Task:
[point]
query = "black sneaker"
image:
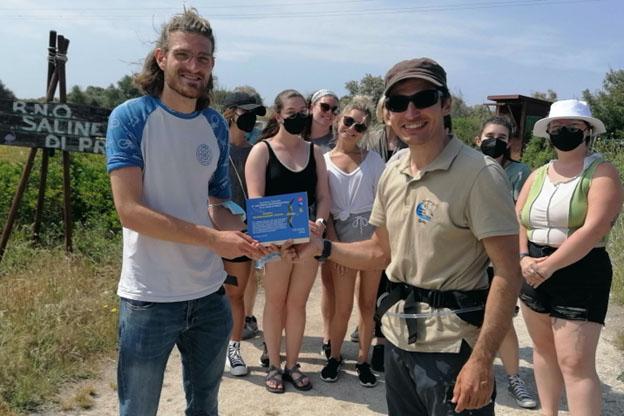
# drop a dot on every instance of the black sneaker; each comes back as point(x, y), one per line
point(520, 393)
point(329, 373)
point(326, 350)
point(377, 361)
point(366, 376)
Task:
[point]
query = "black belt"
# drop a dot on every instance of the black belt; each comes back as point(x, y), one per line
point(451, 299)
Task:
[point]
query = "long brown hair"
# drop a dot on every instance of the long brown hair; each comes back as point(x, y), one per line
point(151, 79)
point(272, 126)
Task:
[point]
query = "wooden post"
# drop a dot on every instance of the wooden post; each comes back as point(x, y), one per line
point(40, 199)
point(61, 58)
point(52, 73)
point(51, 56)
point(6, 232)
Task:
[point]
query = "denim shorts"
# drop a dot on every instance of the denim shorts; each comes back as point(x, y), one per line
point(578, 292)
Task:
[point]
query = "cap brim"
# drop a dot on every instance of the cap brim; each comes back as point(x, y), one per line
point(411, 76)
point(539, 129)
point(258, 109)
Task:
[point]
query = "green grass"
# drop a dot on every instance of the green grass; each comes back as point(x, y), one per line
point(13, 154)
point(58, 314)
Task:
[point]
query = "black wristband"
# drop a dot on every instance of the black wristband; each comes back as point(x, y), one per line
point(327, 246)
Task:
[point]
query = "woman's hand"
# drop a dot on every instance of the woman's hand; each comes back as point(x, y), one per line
point(534, 270)
point(317, 228)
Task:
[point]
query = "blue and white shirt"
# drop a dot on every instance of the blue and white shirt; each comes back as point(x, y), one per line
point(184, 159)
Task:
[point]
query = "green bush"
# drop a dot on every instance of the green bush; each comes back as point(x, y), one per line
point(91, 198)
point(537, 152)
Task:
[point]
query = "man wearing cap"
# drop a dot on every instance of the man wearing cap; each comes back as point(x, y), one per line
point(440, 211)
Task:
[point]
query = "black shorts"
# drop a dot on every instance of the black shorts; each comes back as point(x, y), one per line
point(240, 259)
point(578, 292)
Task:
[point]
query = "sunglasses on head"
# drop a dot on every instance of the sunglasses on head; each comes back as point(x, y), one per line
point(350, 121)
point(326, 107)
point(423, 99)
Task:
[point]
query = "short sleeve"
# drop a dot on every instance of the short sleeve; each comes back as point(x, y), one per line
point(490, 210)
point(219, 186)
point(124, 133)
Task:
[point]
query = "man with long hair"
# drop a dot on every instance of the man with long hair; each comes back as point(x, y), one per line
point(167, 157)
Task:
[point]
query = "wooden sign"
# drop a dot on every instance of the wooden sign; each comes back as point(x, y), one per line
point(53, 125)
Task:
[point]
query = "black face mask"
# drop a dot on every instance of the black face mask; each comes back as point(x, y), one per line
point(565, 140)
point(246, 122)
point(296, 123)
point(494, 148)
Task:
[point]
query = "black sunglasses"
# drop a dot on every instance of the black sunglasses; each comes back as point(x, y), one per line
point(423, 99)
point(572, 129)
point(326, 107)
point(350, 121)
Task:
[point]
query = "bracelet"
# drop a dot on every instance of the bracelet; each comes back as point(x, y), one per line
point(524, 254)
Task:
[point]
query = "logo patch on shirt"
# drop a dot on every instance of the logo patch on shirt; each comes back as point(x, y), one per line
point(204, 157)
point(424, 211)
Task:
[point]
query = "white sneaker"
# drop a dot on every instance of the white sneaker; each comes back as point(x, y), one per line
point(234, 360)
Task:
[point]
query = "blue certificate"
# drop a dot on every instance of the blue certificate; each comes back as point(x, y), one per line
point(275, 219)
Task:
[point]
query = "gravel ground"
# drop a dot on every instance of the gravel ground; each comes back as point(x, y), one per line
point(248, 396)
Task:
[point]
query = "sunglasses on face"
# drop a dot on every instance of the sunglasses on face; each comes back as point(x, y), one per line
point(350, 121)
point(491, 136)
point(326, 107)
point(423, 99)
point(571, 129)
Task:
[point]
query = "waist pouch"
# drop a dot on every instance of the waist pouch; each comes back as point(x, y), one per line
point(451, 299)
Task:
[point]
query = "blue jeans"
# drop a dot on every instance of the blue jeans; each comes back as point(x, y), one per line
point(148, 331)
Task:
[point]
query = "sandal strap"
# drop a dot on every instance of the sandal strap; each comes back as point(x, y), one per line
point(295, 369)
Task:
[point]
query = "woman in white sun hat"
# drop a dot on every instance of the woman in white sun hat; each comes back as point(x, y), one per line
point(566, 209)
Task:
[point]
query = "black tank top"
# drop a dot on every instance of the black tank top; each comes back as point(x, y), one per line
point(279, 179)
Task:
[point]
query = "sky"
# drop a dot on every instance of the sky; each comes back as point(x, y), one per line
point(488, 47)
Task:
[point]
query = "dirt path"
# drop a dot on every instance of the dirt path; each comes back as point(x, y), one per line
point(247, 395)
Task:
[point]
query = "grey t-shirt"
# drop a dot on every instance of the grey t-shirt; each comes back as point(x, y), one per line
point(326, 143)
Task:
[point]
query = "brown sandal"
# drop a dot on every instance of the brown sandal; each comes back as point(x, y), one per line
point(298, 379)
point(273, 381)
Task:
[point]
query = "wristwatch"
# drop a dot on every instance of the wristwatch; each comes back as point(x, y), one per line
point(322, 222)
point(327, 247)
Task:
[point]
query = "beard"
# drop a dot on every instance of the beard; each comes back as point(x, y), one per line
point(188, 89)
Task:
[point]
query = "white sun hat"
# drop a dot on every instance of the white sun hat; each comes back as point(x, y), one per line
point(568, 109)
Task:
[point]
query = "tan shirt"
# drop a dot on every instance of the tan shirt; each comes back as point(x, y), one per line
point(435, 221)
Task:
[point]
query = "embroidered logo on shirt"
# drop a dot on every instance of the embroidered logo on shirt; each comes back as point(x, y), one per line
point(203, 154)
point(424, 211)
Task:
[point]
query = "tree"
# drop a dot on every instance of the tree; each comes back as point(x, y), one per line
point(108, 97)
point(371, 86)
point(608, 104)
point(549, 95)
point(5, 93)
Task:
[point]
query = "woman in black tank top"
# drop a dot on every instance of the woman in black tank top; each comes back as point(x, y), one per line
point(285, 163)
point(280, 179)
